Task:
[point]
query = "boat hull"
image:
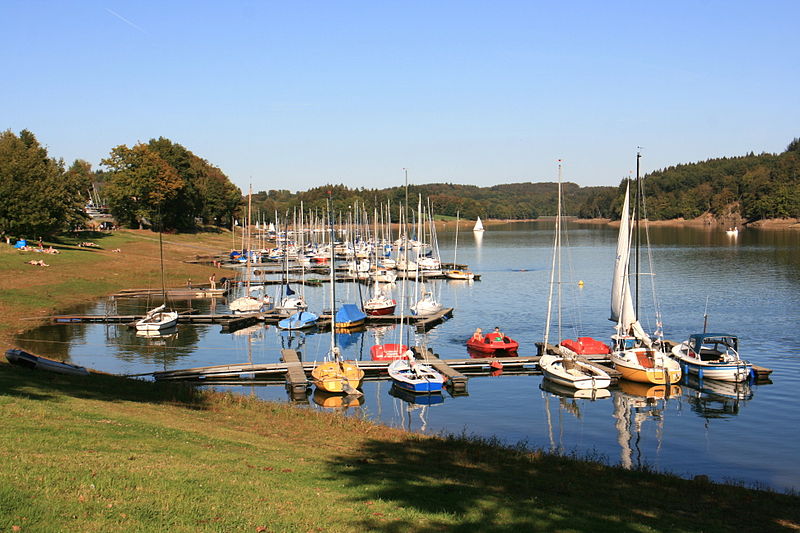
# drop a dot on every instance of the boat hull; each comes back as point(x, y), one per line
point(629, 365)
point(388, 352)
point(28, 360)
point(576, 375)
point(158, 322)
point(342, 377)
point(719, 369)
point(507, 344)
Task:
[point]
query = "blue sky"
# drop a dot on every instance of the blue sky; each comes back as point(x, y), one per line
point(292, 95)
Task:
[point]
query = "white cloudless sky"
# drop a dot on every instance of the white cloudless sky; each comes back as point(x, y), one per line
point(297, 94)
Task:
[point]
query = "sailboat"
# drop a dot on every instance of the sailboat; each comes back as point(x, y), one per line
point(250, 302)
point(478, 225)
point(565, 369)
point(411, 375)
point(159, 318)
point(635, 354)
point(336, 375)
point(455, 273)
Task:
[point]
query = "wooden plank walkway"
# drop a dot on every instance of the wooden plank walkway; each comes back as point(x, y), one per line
point(456, 381)
point(231, 322)
point(296, 381)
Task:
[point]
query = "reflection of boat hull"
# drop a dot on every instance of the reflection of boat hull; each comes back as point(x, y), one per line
point(333, 400)
point(636, 364)
point(28, 360)
point(570, 392)
point(337, 376)
point(417, 399)
point(647, 390)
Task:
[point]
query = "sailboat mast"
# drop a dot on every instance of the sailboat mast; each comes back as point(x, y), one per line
point(636, 223)
point(333, 276)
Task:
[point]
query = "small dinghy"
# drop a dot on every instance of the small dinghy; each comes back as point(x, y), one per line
point(416, 377)
point(28, 360)
point(492, 342)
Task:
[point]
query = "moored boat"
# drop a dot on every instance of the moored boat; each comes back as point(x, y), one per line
point(714, 356)
point(570, 372)
point(349, 316)
point(635, 354)
point(411, 375)
point(157, 319)
point(299, 320)
point(388, 352)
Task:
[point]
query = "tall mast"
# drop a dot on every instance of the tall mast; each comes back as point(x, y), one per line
point(636, 225)
point(333, 278)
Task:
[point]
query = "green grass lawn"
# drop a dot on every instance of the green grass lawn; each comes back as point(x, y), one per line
point(103, 453)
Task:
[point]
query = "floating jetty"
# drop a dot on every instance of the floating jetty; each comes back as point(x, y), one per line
point(294, 372)
point(232, 322)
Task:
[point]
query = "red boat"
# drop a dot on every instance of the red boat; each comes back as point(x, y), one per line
point(492, 342)
point(388, 352)
point(379, 306)
point(586, 346)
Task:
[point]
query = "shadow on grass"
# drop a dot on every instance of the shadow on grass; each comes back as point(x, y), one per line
point(50, 386)
point(470, 485)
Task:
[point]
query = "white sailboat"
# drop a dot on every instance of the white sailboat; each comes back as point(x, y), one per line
point(565, 368)
point(159, 318)
point(478, 225)
point(635, 354)
point(457, 273)
point(254, 300)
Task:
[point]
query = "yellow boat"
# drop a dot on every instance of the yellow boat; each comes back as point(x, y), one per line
point(337, 376)
point(647, 365)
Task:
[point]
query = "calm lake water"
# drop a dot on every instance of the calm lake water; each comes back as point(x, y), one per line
point(746, 433)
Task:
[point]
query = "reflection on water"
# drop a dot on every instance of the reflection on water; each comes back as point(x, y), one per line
point(752, 285)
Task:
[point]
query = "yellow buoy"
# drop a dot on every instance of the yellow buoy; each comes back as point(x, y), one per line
point(580, 283)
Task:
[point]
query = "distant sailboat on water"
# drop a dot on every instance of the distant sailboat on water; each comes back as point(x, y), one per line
point(478, 225)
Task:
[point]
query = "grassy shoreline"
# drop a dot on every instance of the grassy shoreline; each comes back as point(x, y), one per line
point(104, 453)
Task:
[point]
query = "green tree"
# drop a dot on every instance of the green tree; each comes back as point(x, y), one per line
point(140, 185)
point(36, 197)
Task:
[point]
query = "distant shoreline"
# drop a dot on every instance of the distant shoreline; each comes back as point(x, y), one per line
point(702, 221)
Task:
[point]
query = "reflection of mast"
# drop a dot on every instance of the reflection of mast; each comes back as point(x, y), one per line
point(633, 405)
point(622, 415)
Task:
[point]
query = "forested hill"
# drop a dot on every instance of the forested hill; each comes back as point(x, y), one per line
point(754, 187)
point(508, 201)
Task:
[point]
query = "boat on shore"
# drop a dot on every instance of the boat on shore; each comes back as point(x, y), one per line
point(28, 360)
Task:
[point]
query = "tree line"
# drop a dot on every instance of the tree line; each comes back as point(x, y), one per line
point(160, 182)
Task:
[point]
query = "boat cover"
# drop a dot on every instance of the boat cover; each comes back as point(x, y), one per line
point(350, 313)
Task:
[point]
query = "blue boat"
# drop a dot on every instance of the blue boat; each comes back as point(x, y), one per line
point(299, 320)
point(349, 316)
point(413, 376)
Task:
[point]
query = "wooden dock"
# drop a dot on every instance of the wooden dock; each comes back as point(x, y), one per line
point(296, 381)
point(232, 322)
point(456, 381)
